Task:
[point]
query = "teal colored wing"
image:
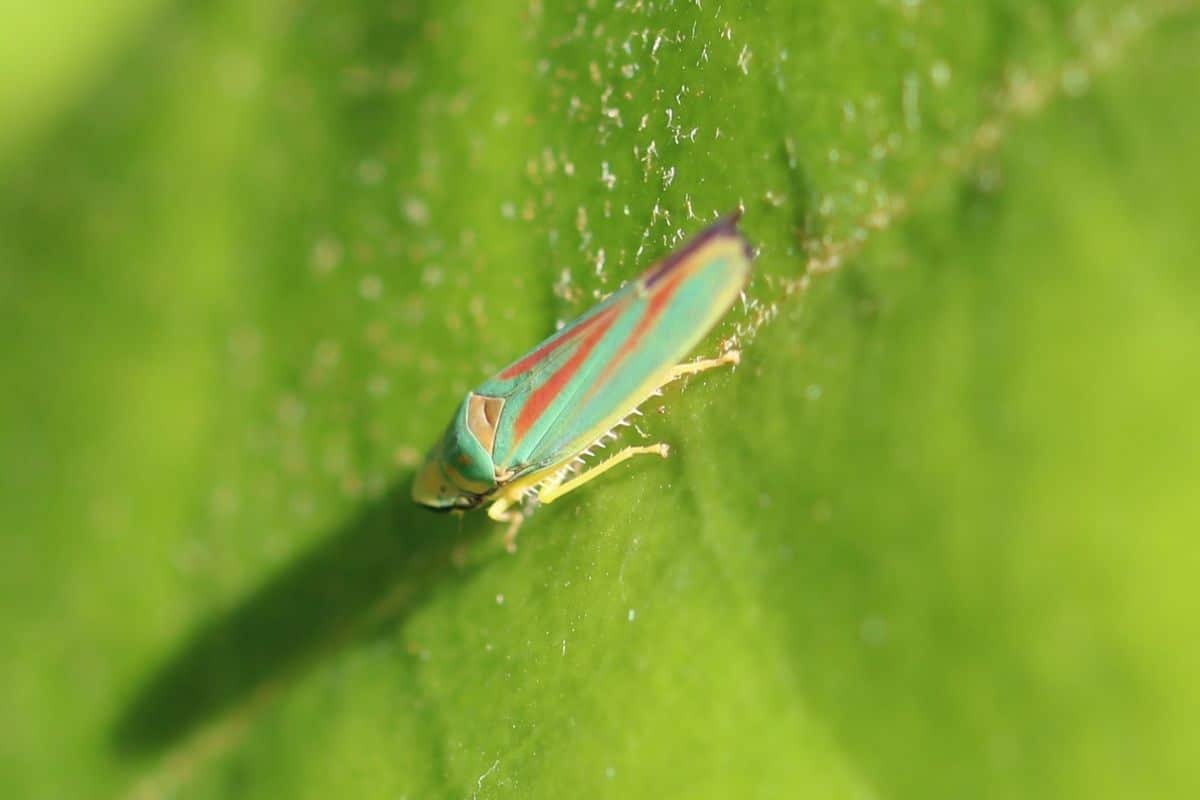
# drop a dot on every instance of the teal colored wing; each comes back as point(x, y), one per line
point(573, 387)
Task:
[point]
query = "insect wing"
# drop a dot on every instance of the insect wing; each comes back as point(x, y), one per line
point(572, 388)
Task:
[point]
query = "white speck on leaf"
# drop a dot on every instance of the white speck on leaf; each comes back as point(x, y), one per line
point(912, 101)
point(743, 60)
point(378, 386)
point(432, 275)
point(490, 770)
point(606, 176)
point(939, 73)
point(416, 211)
point(326, 255)
point(370, 287)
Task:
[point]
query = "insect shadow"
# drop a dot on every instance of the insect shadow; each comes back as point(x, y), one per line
point(368, 575)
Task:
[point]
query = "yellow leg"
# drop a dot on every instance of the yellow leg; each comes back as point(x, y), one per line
point(702, 364)
point(502, 511)
point(551, 493)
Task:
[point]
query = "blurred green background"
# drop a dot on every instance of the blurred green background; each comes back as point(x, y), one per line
point(934, 537)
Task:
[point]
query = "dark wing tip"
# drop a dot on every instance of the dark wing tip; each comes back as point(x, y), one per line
point(726, 226)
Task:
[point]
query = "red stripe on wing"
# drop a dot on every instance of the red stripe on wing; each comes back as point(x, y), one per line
point(543, 395)
point(532, 360)
point(658, 302)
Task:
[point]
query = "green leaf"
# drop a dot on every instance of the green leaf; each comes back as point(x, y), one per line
point(933, 537)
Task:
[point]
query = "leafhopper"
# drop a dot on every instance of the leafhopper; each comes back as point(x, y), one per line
point(527, 431)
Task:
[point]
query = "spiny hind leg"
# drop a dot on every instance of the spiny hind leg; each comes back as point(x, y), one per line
point(502, 511)
point(551, 493)
point(702, 365)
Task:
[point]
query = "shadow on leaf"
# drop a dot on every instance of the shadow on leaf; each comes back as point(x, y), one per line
point(374, 571)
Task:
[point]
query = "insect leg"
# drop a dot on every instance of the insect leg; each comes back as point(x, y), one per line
point(502, 511)
point(551, 493)
point(702, 364)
